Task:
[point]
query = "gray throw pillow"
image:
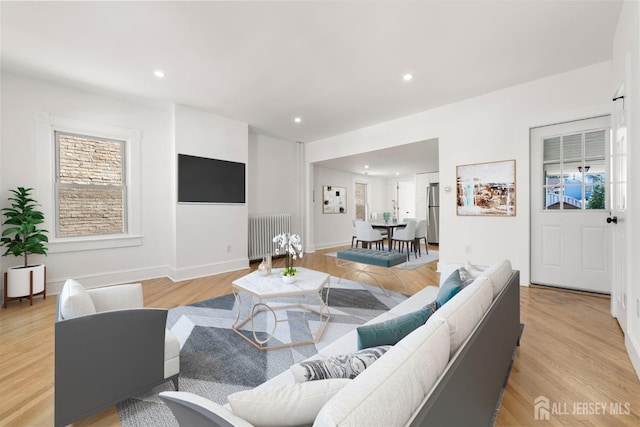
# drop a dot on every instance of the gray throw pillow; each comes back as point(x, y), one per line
point(432, 307)
point(466, 278)
point(343, 366)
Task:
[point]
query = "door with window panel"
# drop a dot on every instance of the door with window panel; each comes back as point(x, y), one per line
point(569, 238)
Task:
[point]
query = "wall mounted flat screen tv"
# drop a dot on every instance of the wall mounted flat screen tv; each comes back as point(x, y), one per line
point(203, 180)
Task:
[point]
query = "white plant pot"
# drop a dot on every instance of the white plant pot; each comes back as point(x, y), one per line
point(18, 280)
point(288, 279)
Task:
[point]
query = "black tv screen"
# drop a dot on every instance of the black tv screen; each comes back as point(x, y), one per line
point(203, 180)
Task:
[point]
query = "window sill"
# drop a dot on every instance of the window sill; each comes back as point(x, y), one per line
point(92, 243)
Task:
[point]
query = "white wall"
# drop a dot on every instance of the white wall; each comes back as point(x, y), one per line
point(332, 230)
point(210, 238)
point(491, 127)
point(179, 241)
point(21, 99)
point(271, 171)
point(626, 68)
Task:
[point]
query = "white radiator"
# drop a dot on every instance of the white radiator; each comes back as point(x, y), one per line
point(262, 230)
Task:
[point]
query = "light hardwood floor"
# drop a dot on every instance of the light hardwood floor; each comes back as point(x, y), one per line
point(571, 352)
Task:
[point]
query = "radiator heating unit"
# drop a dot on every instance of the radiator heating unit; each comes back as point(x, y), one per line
point(262, 230)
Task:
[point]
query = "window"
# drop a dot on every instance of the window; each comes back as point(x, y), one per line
point(82, 212)
point(90, 185)
point(361, 201)
point(575, 171)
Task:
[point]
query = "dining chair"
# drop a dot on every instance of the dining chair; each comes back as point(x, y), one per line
point(406, 237)
point(367, 235)
point(354, 234)
point(421, 233)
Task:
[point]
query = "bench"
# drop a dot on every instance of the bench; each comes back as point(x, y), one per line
point(385, 259)
point(373, 257)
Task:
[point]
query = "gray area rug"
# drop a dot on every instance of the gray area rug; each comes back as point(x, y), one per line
point(215, 361)
point(413, 261)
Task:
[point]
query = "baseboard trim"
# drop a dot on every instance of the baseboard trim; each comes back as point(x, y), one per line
point(54, 285)
point(188, 273)
point(89, 281)
point(634, 353)
point(331, 245)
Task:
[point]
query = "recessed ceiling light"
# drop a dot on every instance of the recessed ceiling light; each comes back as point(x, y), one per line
point(159, 74)
point(366, 166)
point(407, 77)
point(397, 173)
point(297, 120)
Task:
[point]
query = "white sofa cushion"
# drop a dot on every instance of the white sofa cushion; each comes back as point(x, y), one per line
point(289, 405)
point(464, 311)
point(399, 380)
point(171, 354)
point(499, 274)
point(118, 297)
point(75, 300)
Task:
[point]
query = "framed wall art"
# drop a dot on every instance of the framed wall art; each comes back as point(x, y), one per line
point(334, 199)
point(486, 189)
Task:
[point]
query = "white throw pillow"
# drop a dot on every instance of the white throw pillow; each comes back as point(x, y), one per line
point(75, 300)
point(474, 270)
point(499, 274)
point(387, 393)
point(289, 405)
point(464, 311)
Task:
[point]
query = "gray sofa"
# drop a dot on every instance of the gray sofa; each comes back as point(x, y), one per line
point(448, 372)
point(108, 348)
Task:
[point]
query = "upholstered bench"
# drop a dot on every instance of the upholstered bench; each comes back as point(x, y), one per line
point(373, 257)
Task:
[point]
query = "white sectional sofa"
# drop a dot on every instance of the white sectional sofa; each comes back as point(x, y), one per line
point(448, 372)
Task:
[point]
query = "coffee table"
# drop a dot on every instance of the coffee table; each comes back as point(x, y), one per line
point(271, 294)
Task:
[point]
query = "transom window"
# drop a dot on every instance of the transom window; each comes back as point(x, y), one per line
point(575, 171)
point(90, 186)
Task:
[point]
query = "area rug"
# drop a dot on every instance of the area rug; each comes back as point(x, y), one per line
point(413, 261)
point(215, 361)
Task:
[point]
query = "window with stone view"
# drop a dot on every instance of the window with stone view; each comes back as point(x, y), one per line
point(90, 185)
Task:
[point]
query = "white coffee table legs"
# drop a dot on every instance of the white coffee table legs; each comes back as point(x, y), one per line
point(306, 305)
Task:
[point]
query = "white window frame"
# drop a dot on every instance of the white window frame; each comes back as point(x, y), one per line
point(46, 125)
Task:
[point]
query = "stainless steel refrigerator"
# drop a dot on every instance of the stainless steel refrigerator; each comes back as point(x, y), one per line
point(433, 214)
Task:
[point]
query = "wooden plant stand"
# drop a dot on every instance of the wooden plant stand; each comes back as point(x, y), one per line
point(43, 292)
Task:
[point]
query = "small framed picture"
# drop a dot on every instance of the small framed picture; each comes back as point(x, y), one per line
point(334, 199)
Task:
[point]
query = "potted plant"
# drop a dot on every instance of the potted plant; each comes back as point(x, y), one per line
point(291, 248)
point(22, 237)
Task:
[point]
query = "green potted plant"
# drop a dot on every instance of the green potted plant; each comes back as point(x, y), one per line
point(22, 237)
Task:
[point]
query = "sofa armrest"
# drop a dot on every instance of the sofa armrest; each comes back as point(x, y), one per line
point(103, 358)
point(118, 297)
point(193, 410)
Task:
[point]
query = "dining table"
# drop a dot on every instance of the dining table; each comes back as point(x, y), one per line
point(390, 226)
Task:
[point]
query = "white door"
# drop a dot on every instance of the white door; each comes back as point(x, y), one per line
point(618, 212)
point(570, 242)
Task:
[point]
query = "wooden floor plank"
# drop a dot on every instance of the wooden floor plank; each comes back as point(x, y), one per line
point(571, 352)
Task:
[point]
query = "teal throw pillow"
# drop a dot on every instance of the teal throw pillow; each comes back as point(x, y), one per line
point(391, 331)
point(449, 288)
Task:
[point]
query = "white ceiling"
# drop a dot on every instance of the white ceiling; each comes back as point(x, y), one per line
point(397, 162)
point(337, 65)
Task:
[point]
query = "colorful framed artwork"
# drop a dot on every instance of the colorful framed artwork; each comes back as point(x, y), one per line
point(485, 189)
point(334, 199)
